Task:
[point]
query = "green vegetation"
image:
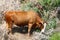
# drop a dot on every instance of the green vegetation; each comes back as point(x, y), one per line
point(55, 36)
point(48, 6)
point(51, 23)
point(29, 6)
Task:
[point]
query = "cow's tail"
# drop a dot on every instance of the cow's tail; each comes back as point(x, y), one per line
point(3, 15)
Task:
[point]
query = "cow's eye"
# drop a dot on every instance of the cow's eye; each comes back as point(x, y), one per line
point(40, 23)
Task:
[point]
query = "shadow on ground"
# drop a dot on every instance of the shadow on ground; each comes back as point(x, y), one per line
point(20, 30)
point(23, 30)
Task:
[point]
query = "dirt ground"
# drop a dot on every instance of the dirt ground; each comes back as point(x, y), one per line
point(20, 34)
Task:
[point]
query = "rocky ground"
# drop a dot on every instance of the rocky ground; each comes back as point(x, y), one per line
point(19, 35)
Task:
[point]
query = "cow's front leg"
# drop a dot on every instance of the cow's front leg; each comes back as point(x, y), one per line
point(29, 28)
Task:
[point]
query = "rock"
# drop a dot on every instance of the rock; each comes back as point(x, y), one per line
point(58, 13)
point(43, 36)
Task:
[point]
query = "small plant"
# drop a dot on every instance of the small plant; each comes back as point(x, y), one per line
point(55, 36)
point(51, 23)
point(26, 6)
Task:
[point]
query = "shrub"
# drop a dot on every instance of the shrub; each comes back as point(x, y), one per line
point(55, 36)
point(49, 4)
point(51, 23)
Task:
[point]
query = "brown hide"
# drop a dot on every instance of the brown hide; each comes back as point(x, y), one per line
point(23, 18)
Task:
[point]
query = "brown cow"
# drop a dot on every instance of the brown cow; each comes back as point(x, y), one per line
point(24, 18)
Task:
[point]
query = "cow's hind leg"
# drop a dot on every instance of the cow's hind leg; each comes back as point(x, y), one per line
point(9, 27)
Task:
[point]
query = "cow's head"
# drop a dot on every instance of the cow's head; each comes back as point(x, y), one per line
point(44, 27)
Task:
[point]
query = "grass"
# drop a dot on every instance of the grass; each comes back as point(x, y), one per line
point(55, 36)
